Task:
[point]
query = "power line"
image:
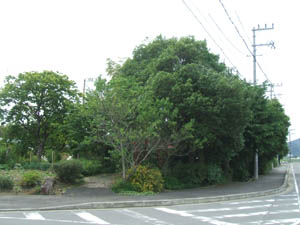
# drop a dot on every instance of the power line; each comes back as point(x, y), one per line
point(186, 5)
point(219, 28)
point(237, 30)
point(240, 22)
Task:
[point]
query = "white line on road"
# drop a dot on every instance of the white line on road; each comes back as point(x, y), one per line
point(296, 186)
point(143, 217)
point(90, 218)
point(262, 201)
point(202, 218)
point(280, 221)
point(33, 216)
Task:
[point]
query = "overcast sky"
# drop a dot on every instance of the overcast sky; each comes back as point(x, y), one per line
point(75, 37)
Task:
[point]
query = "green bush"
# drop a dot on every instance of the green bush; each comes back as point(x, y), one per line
point(144, 179)
point(90, 167)
point(6, 183)
point(4, 167)
point(172, 183)
point(2, 156)
point(37, 166)
point(215, 174)
point(241, 174)
point(31, 179)
point(69, 171)
point(189, 174)
point(121, 186)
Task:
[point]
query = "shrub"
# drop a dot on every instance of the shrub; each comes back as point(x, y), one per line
point(69, 171)
point(4, 167)
point(144, 179)
point(3, 158)
point(37, 166)
point(215, 174)
point(121, 186)
point(189, 174)
point(6, 183)
point(241, 174)
point(90, 167)
point(172, 183)
point(31, 179)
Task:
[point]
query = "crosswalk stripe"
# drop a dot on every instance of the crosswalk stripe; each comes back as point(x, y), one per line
point(201, 218)
point(33, 216)
point(143, 217)
point(91, 218)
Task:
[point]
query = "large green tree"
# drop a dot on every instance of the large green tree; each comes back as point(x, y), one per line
point(130, 120)
point(36, 103)
point(265, 133)
point(203, 92)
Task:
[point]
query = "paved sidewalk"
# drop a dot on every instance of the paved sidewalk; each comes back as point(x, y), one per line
point(81, 197)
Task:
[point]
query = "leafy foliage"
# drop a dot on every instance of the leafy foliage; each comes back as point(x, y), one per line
point(31, 178)
point(33, 104)
point(37, 166)
point(90, 167)
point(6, 183)
point(69, 171)
point(144, 179)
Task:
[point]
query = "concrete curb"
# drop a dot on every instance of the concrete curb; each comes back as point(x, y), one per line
point(167, 202)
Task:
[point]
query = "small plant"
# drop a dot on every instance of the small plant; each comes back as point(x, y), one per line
point(90, 167)
point(31, 179)
point(37, 166)
point(144, 179)
point(6, 183)
point(215, 174)
point(69, 171)
point(17, 189)
point(122, 186)
point(172, 183)
point(4, 167)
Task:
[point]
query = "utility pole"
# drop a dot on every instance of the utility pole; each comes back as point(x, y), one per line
point(254, 79)
point(84, 87)
point(272, 93)
point(290, 144)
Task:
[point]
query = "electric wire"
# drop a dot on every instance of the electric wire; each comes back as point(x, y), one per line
point(219, 28)
point(237, 30)
point(221, 49)
point(240, 22)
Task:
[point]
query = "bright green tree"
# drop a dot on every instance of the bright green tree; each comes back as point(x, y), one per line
point(130, 121)
point(36, 103)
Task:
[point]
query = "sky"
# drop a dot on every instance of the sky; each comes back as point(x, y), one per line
point(75, 37)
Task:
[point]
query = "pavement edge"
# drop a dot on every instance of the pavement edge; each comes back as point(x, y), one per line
point(287, 184)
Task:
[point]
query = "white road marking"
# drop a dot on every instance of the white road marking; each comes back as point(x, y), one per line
point(238, 208)
point(202, 218)
point(262, 201)
point(230, 209)
point(143, 217)
point(33, 216)
point(90, 218)
point(242, 215)
point(297, 222)
point(49, 220)
point(281, 221)
point(296, 186)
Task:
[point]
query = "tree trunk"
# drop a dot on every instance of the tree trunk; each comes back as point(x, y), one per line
point(255, 165)
point(123, 163)
point(40, 151)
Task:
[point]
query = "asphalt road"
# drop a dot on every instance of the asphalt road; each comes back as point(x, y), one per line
point(279, 209)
